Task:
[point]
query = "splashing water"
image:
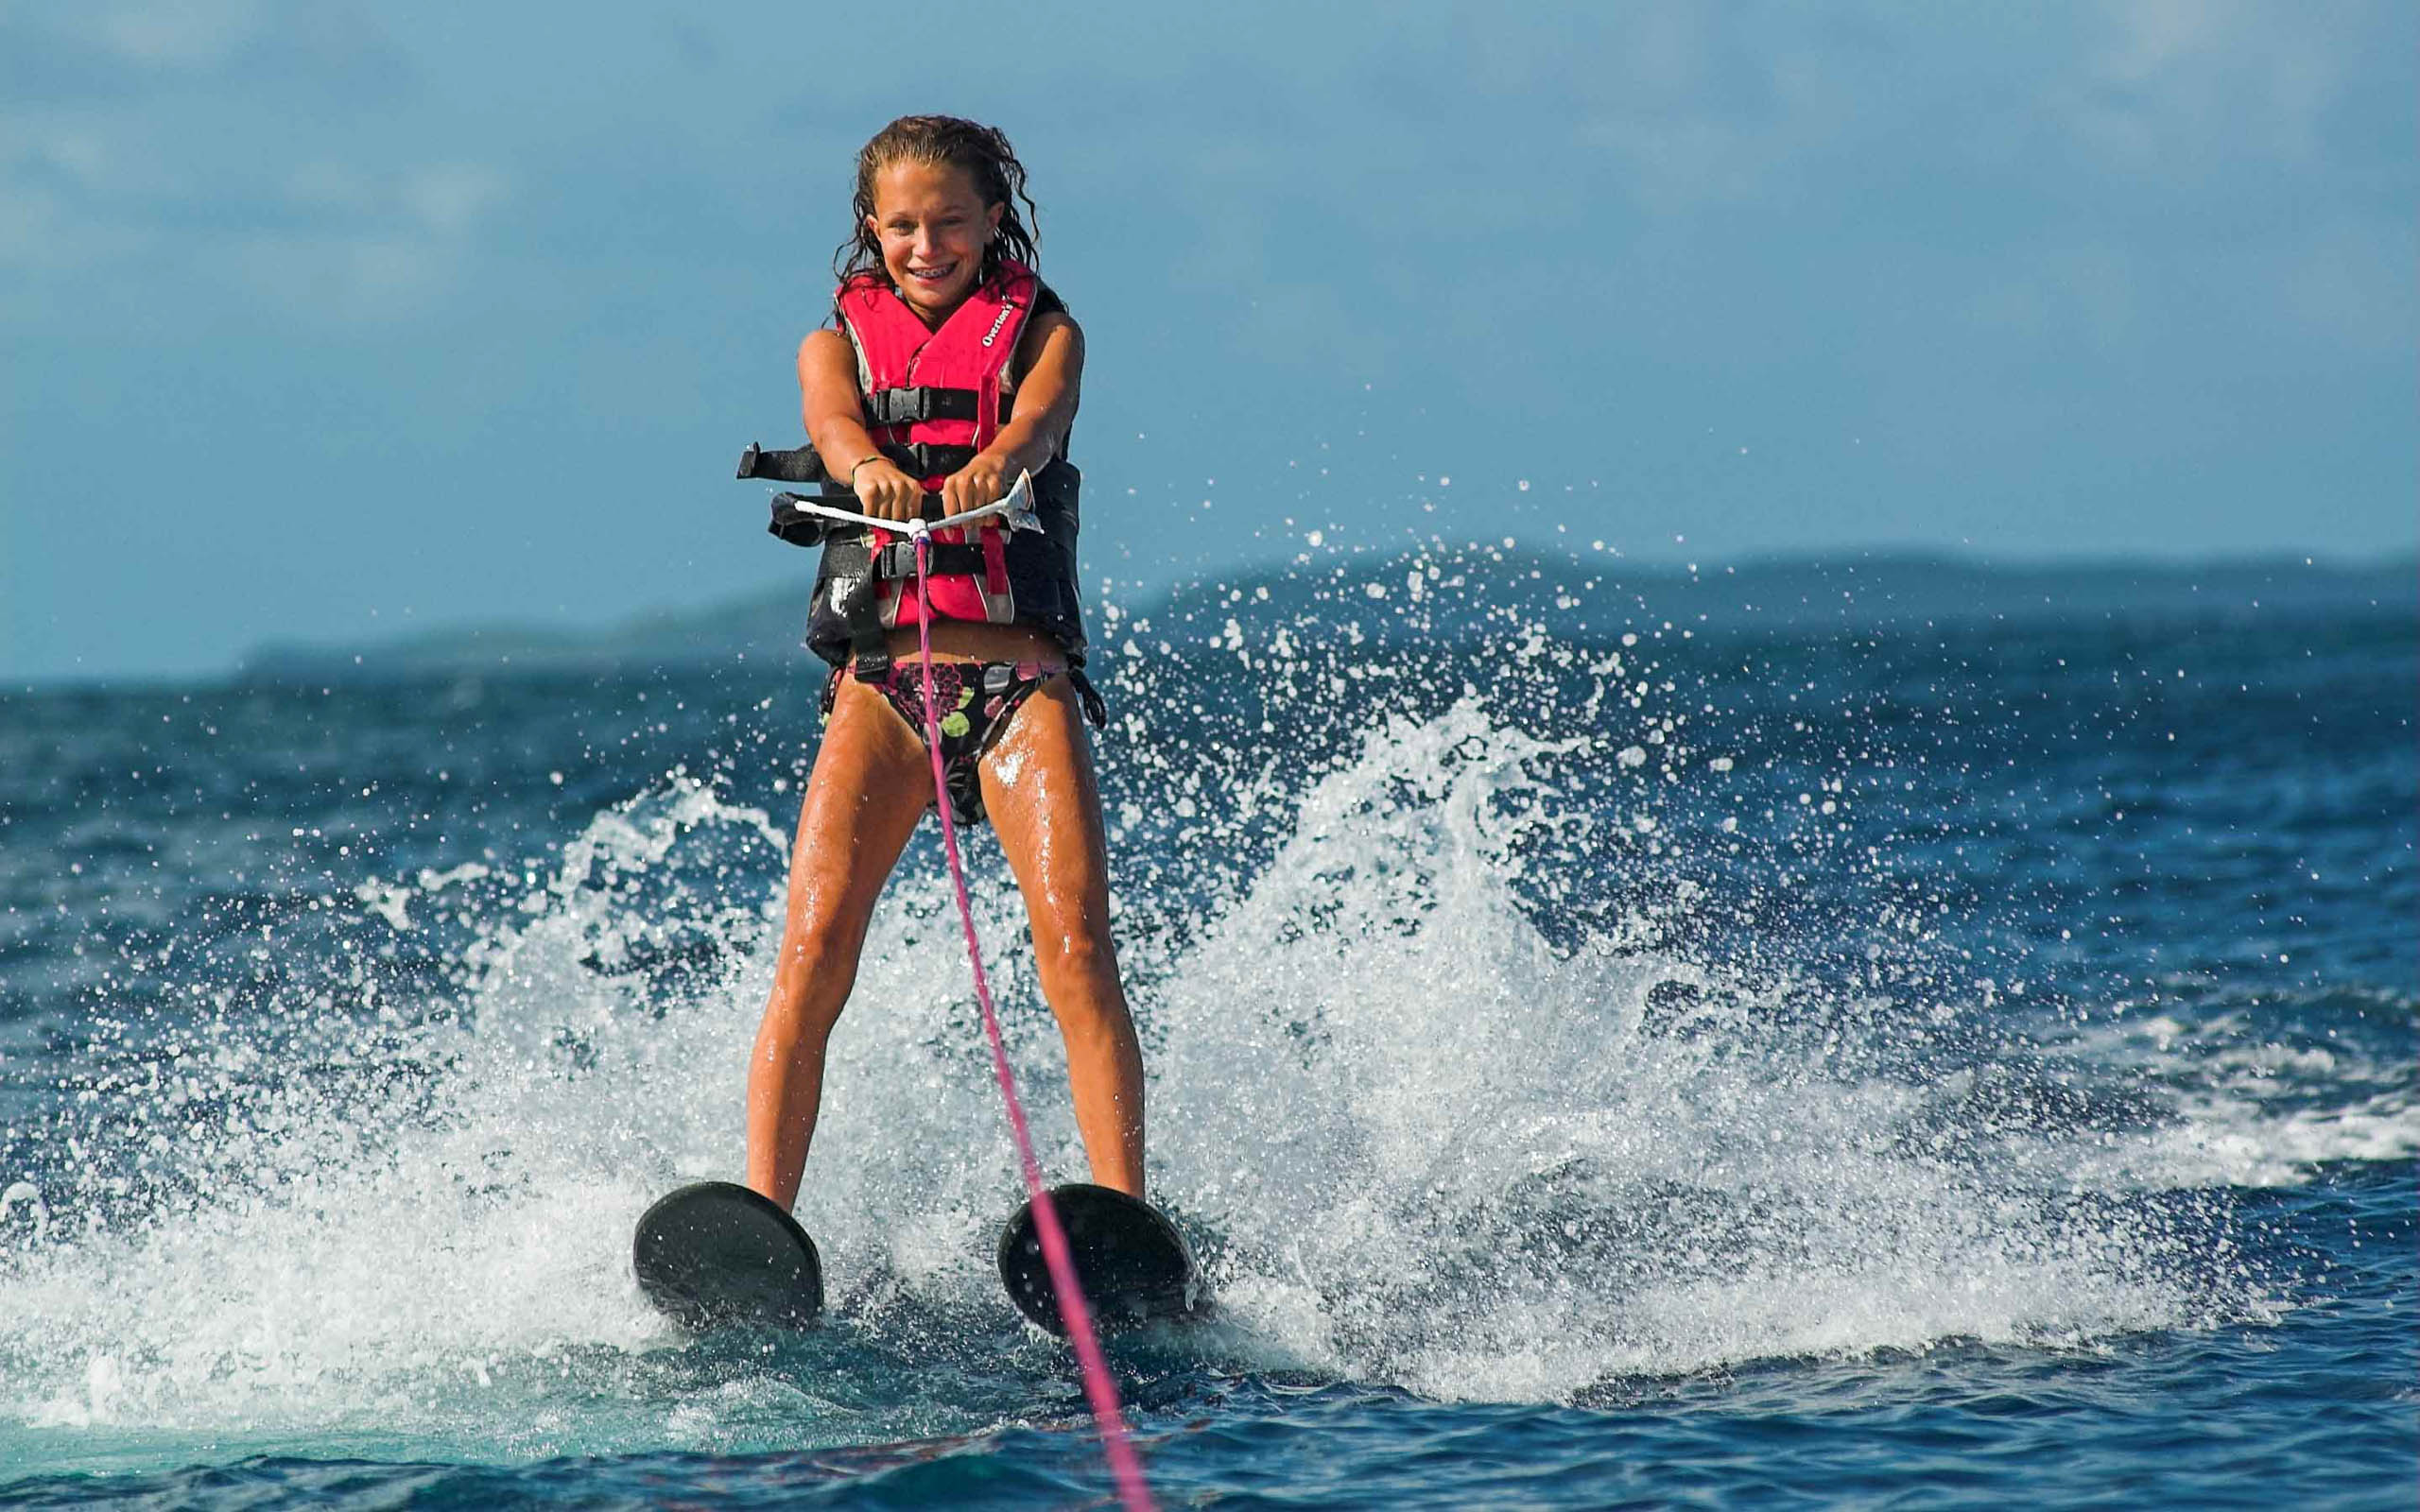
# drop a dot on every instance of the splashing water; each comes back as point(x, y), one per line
point(1514, 1032)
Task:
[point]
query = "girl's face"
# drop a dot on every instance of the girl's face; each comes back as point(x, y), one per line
point(933, 226)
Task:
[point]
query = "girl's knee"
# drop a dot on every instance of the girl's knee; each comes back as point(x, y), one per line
point(1080, 977)
point(1078, 952)
point(1091, 1022)
point(817, 946)
point(797, 1016)
point(812, 979)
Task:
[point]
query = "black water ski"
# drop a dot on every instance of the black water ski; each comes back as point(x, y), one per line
point(1133, 1266)
point(717, 1253)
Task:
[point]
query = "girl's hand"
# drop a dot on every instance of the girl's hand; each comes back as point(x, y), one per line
point(971, 487)
point(886, 493)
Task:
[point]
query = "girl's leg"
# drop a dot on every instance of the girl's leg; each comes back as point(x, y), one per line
point(1047, 813)
point(870, 786)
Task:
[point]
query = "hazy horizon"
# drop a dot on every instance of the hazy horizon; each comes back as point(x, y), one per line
point(1894, 588)
point(586, 639)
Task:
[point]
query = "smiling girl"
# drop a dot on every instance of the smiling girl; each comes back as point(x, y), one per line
point(949, 368)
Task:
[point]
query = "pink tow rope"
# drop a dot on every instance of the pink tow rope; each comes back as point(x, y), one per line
point(1098, 1388)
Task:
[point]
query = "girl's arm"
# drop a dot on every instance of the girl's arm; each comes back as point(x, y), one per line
point(835, 423)
point(1051, 356)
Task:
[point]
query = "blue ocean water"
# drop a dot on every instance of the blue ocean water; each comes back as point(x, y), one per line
point(1610, 1045)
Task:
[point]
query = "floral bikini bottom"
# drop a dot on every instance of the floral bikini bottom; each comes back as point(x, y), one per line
point(975, 701)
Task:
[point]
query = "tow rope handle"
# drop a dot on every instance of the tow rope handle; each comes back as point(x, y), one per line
point(805, 522)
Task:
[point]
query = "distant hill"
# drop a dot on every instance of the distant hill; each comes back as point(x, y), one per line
point(1470, 591)
point(756, 625)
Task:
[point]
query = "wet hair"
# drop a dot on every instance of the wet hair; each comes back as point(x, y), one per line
point(985, 155)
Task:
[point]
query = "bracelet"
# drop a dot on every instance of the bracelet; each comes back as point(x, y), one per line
point(870, 456)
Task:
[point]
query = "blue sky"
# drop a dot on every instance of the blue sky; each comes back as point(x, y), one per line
point(332, 321)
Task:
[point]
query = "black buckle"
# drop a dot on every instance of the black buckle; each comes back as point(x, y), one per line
point(907, 406)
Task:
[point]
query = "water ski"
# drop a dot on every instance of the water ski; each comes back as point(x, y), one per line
point(717, 1253)
point(1133, 1266)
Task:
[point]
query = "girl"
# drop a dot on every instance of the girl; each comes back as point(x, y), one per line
point(950, 369)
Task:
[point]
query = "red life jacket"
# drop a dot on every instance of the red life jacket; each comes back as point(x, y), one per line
point(937, 395)
point(932, 399)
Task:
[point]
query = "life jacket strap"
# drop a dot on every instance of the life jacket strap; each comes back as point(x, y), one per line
point(995, 555)
point(898, 560)
point(907, 406)
point(1094, 710)
point(846, 557)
